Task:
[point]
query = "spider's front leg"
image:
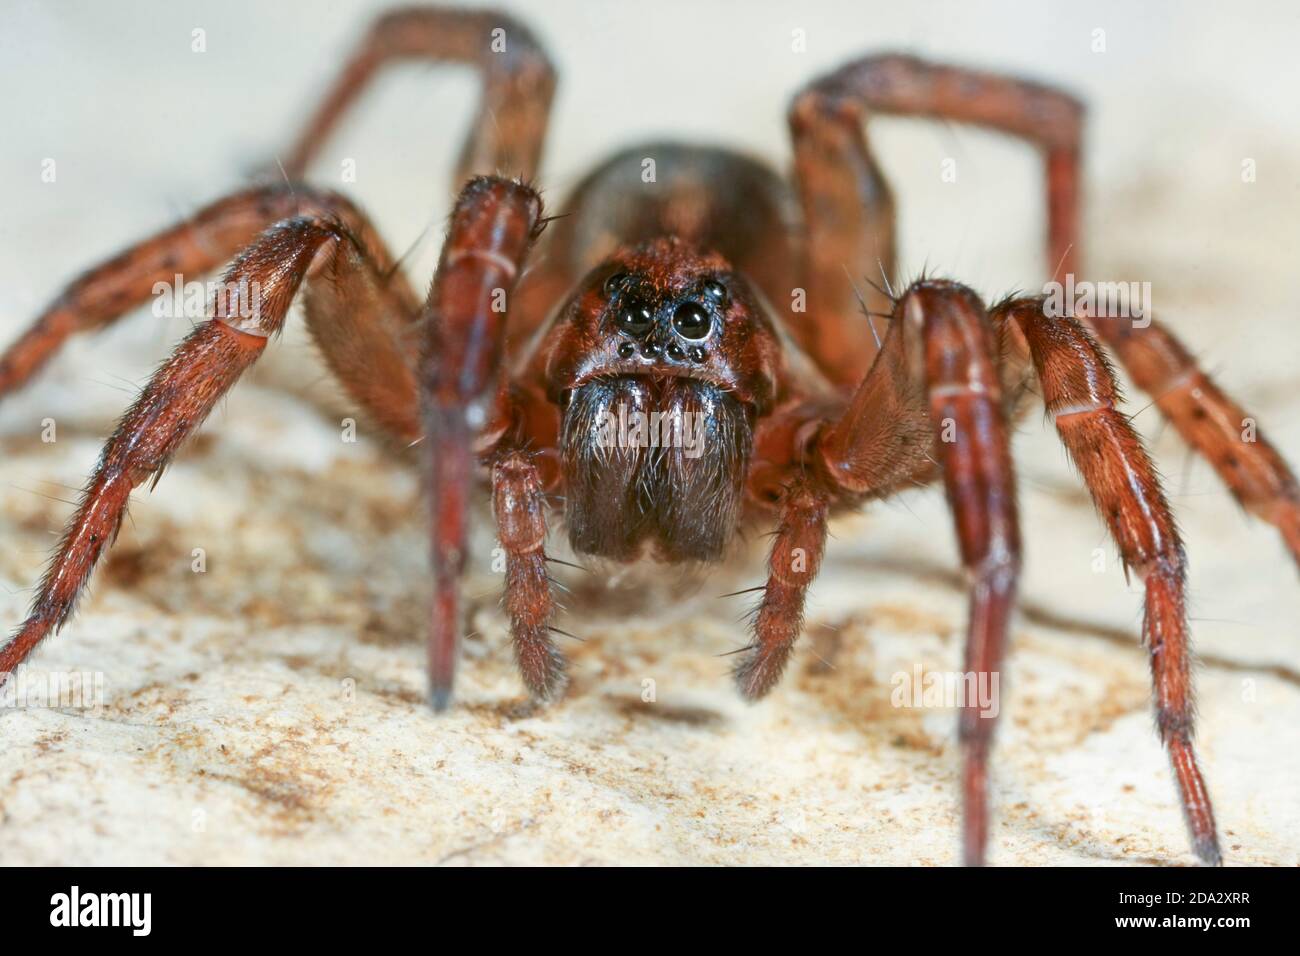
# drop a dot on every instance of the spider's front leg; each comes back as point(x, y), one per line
point(249, 308)
point(1080, 393)
point(492, 227)
point(878, 442)
point(934, 385)
point(974, 454)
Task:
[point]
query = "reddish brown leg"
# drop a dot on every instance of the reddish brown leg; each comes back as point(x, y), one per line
point(883, 437)
point(941, 330)
point(1081, 395)
point(974, 454)
point(848, 212)
point(520, 507)
point(878, 443)
point(518, 83)
point(494, 223)
point(793, 564)
point(259, 288)
point(366, 334)
point(847, 206)
point(1209, 421)
point(191, 249)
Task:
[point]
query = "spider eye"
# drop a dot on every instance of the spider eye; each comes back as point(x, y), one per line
point(635, 317)
point(615, 283)
point(691, 321)
point(715, 291)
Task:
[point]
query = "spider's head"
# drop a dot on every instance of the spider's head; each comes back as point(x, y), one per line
point(660, 364)
point(663, 310)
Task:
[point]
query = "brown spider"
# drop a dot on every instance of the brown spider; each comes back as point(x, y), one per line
point(718, 296)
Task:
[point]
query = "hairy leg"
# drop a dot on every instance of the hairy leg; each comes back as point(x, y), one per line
point(520, 507)
point(259, 288)
point(934, 387)
point(974, 454)
point(792, 565)
point(193, 249)
point(518, 83)
point(1080, 393)
point(882, 438)
point(1208, 420)
point(1215, 426)
point(848, 209)
point(367, 336)
point(876, 444)
point(848, 213)
point(494, 223)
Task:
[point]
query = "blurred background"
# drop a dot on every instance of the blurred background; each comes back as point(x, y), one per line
point(143, 127)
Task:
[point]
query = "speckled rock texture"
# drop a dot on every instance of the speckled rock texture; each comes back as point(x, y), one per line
point(270, 707)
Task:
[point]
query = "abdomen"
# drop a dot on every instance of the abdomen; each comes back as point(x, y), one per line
point(713, 198)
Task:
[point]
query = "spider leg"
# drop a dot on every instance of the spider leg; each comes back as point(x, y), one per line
point(974, 454)
point(190, 249)
point(1208, 420)
point(848, 213)
point(259, 288)
point(882, 438)
point(492, 227)
point(848, 209)
point(1081, 394)
point(519, 503)
point(366, 337)
point(518, 84)
point(877, 444)
point(1215, 426)
point(792, 565)
point(934, 387)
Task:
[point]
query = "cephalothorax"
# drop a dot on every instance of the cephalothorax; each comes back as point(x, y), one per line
point(716, 304)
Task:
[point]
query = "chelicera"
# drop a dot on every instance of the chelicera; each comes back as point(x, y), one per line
point(678, 299)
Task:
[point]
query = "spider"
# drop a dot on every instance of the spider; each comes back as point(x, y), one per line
point(720, 297)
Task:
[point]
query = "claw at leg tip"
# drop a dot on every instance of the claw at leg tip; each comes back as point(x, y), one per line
point(973, 857)
point(1207, 851)
point(550, 690)
point(439, 697)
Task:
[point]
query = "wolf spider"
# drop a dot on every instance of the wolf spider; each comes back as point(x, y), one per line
point(660, 298)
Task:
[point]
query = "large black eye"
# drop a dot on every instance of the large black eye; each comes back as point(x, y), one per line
point(634, 317)
point(691, 320)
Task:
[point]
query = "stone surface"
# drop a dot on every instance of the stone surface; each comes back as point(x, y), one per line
point(270, 709)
